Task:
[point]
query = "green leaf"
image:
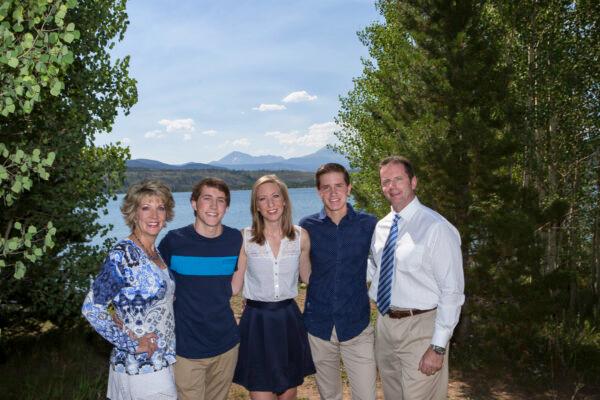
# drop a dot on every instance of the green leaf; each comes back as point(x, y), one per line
point(68, 58)
point(17, 225)
point(56, 88)
point(26, 183)
point(27, 106)
point(68, 37)
point(19, 270)
point(16, 187)
point(48, 242)
point(13, 62)
point(2, 264)
point(50, 158)
point(35, 155)
point(32, 230)
point(12, 244)
point(38, 252)
point(3, 173)
point(70, 27)
point(18, 14)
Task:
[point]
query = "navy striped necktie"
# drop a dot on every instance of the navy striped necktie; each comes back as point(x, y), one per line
point(386, 272)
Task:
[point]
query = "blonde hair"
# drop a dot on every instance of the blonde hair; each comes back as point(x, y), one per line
point(142, 189)
point(258, 222)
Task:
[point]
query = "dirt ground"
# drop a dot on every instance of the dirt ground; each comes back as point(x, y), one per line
point(472, 387)
point(477, 388)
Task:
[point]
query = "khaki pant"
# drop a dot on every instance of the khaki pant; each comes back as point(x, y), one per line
point(359, 361)
point(205, 378)
point(399, 346)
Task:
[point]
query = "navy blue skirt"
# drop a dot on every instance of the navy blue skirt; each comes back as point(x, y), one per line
point(274, 353)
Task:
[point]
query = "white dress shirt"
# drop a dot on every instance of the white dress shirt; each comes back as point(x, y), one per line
point(270, 278)
point(428, 270)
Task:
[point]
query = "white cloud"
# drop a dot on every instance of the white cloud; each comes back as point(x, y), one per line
point(178, 125)
point(269, 107)
point(241, 142)
point(125, 141)
point(187, 137)
point(289, 138)
point(209, 132)
point(298, 97)
point(156, 134)
point(318, 135)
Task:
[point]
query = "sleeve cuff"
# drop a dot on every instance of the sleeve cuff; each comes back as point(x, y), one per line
point(441, 337)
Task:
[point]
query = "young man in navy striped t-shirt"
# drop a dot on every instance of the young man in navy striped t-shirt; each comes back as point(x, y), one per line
point(202, 258)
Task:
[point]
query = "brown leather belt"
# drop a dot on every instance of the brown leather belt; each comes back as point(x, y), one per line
point(397, 314)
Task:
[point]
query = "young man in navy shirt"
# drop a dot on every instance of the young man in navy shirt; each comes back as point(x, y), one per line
point(203, 257)
point(336, 311)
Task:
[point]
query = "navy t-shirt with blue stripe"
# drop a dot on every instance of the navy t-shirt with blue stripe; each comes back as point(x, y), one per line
point(202, 268)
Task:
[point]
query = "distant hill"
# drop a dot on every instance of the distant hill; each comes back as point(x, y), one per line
point(238, 169)
point(152, 164)
point(182, 180)
point(313, 161)
point(239, 158)
point(242, 161)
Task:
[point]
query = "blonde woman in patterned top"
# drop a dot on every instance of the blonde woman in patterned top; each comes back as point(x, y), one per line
point(135, 283)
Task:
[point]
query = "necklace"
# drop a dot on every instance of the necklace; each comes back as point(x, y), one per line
point(153, 257)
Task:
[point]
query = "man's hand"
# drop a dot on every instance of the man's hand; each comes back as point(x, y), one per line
point(431, 362)
point(147, 344)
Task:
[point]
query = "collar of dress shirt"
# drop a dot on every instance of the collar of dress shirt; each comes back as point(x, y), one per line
point(407, 212)
point(349, 214)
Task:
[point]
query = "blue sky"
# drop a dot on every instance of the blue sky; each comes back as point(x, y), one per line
point(258, 76)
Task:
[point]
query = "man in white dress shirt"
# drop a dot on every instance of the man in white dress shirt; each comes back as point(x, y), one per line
point(417, 282)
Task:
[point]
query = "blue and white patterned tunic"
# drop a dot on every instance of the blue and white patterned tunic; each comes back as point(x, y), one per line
point(142, 297)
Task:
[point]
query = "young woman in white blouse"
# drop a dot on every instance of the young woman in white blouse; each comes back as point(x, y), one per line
point(274, 355)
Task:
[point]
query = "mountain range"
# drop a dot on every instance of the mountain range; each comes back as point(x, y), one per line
point(237, 160)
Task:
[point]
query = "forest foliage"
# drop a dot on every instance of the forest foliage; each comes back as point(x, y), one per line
point(60, 88)
point(498, 105)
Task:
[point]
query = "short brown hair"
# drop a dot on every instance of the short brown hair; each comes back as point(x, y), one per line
point(216, 183)
point(408, 167)
point(331, 167)
point(258, 222)
point(145, 188)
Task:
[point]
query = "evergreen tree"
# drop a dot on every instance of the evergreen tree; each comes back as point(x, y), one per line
point(436, 90)
point(497, 105)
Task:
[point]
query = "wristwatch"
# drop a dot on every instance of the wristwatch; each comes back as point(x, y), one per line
point(439, 350)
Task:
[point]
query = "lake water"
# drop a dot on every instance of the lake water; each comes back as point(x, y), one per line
point(305, 201)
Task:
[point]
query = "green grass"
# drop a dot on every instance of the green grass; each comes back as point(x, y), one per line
point(55, 365)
